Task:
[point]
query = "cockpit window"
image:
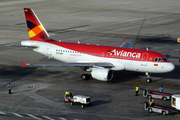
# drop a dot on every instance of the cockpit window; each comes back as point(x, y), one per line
point(156, 59)
point(160, 59)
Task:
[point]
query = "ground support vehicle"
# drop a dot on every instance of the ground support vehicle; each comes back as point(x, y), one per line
point(82, 100)
point(68, 98)
point(155, 94)
point(159, 109)
point(175, 101)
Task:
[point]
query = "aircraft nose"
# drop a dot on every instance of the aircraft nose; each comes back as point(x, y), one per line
point(171, 67)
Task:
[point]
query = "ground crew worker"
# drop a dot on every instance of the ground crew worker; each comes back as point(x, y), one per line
point(137, 89)
point(161, 89)
point(66, 93)
point(9, 87)
point(151, 102)
point(70, 94)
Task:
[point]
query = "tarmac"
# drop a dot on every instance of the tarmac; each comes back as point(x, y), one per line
point(38, 91)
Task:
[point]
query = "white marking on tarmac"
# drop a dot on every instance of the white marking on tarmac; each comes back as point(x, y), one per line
point(34, 117)
point(48, 118)
point(62, 118)
point(18, 115)
point(2, 113)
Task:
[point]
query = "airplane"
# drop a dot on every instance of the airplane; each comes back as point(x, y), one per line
point(97, 61)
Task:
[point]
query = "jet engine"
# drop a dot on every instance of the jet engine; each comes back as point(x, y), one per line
point(102, 74)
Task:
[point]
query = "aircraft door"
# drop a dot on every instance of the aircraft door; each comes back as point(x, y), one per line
point(144, 59)
point(48, 50)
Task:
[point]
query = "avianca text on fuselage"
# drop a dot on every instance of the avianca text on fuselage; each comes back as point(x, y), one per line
point(125, 53)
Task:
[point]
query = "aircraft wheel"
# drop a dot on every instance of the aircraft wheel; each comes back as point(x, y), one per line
point(148, 80)
point(85, 76)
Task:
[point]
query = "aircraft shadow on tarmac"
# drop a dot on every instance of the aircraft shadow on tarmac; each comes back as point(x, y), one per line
point(122, 76)
point(7, 71)
point(15, 72)
point(19, 72)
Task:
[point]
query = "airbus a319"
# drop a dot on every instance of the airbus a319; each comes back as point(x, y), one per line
point(97, 60)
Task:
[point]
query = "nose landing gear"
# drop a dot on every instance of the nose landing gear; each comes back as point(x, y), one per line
point(148, 80)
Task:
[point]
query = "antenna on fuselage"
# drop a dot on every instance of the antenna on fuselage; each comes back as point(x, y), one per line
point(78, 42)
point(147, 48)
point(139, 32)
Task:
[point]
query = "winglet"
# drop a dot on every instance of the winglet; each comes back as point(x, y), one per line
point(124, 40)
point(23, 64)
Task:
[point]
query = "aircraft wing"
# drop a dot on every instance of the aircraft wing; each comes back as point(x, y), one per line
point(106, 65)
point(126, 44)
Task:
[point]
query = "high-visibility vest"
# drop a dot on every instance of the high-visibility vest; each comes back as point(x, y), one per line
point(151, 103)
point(137, 88)
point(66, 93)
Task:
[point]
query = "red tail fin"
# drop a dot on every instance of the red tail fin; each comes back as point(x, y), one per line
point(35, 29)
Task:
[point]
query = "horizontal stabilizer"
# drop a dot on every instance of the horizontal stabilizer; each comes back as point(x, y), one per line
point(12, 45)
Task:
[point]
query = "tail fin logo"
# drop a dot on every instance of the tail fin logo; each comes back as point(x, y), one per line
point(36, 30)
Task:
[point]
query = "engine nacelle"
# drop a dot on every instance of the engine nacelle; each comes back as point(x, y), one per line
point(102, 74)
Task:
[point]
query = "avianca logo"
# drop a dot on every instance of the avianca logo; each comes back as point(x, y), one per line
point(110, 51)
point(124, 53)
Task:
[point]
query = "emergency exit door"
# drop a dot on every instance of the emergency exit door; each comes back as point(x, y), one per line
point(144, 59)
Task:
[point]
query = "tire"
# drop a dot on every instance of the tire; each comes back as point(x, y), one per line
point(82, 106)
point(148, 80)
point(85, 77)
point(72, 103)
point(164, 98)
point(150, 110)
point(164, 113)
point(149, 96)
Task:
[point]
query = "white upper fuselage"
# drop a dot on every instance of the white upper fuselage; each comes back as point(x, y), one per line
point(122, 58)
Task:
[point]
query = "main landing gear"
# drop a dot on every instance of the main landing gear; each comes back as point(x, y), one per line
point(85, 76)
point(148, 80)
